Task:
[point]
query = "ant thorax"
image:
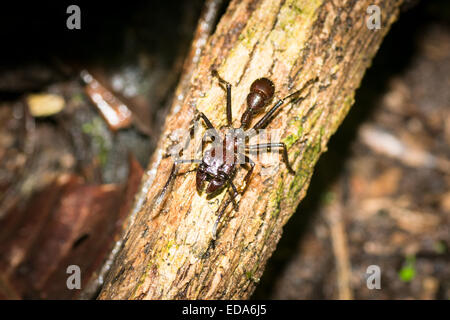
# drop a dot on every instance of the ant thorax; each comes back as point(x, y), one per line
point(220, 157)
point(228, 148)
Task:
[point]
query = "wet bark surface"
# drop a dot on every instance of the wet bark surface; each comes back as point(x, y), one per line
point(167, 251)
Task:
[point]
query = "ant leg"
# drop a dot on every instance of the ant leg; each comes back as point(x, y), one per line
point(268, 116)
point(180, 161)
point(173, 174)
point(232, 198)
point(234, 195)
point(250, 171)
point(214, 133)
point(228, 87)
point(268, 146)
point(205, 118)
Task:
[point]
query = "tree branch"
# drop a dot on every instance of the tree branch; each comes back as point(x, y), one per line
point(167, 249)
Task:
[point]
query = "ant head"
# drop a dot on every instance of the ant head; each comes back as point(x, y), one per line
point(216, 183)
point(200, 177)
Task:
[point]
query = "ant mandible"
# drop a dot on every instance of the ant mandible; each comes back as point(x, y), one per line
point(219, 167)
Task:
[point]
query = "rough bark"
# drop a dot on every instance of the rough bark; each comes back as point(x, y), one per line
point(167, 250)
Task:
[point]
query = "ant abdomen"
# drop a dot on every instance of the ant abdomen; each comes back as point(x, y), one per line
point(261, 92)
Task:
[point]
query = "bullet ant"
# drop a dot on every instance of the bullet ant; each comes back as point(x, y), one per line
point(218, 165)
